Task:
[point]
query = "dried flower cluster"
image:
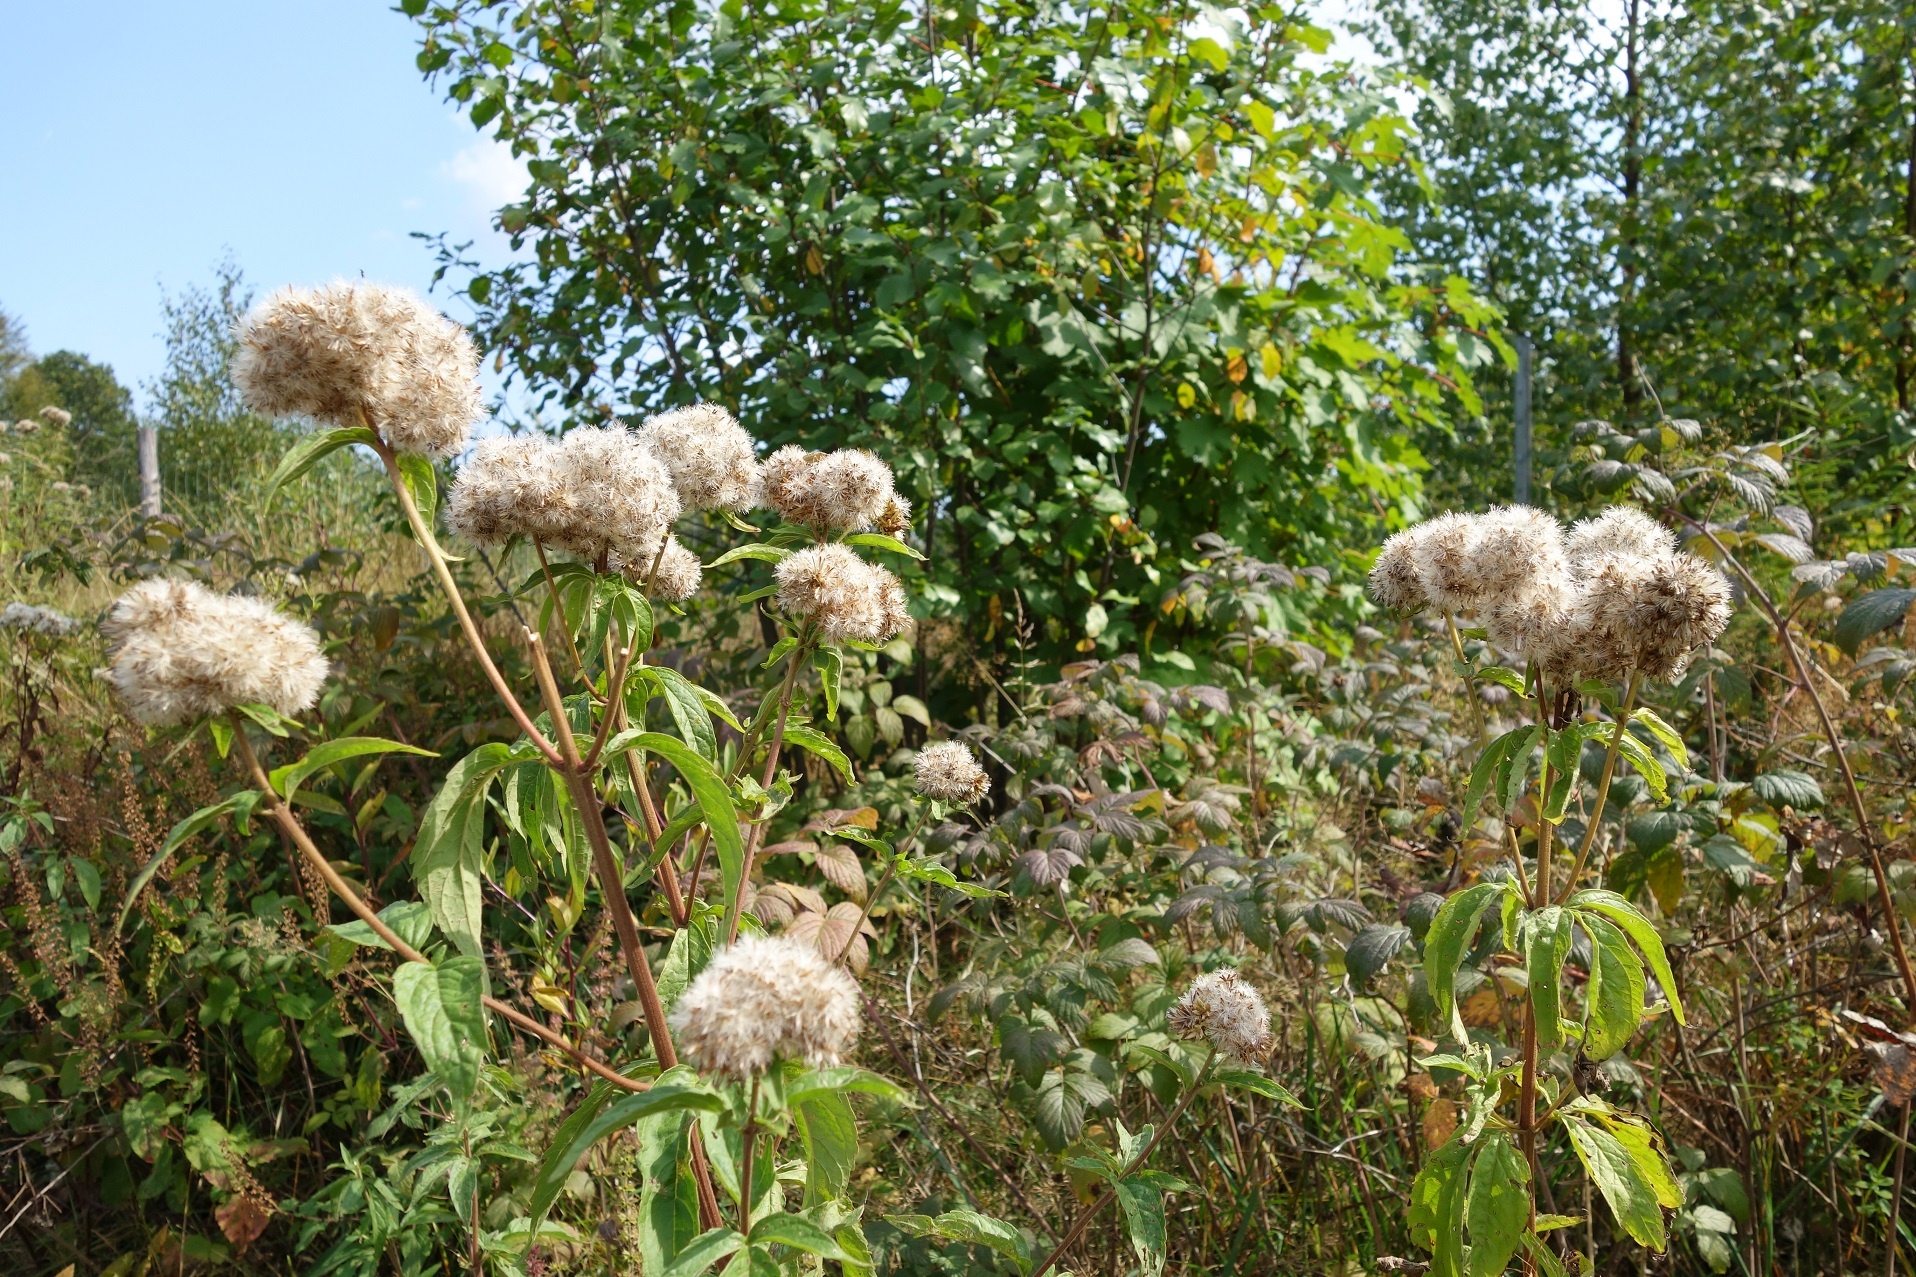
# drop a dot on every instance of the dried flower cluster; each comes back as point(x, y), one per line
point(38, 620)
point(846, 597)
point(596, 493)
point(354, 353)
point(949, 773)
point(181, 652)
point(1612, 596)
point(1225, 1011)
point(713, 462)
point(58, 418)
point(766, 998)
point(845, 491)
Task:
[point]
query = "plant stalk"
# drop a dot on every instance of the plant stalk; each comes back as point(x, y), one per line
point(1603, 784)
point(1091, 1212)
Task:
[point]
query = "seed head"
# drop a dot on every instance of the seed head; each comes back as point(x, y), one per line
point(1443, 560)
point(1511, 549)
point(181, 652)
point(25, 426)
point(1394, 584)
point(713, 462)
point(948, 773)
point(615, 495)
point(1221, 1008)
point(331, 354)
point(895, 519)
point(766, 998)
point(1619, 530)
point(1643, 612)
point(39, 620)
point(58, 418)
point(510, 486)
point(847, 597)
point(676, 577)
point(1535, 620)
point(844, 491)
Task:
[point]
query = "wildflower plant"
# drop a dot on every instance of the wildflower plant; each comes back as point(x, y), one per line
point(747, 1037)
point(1592, 612)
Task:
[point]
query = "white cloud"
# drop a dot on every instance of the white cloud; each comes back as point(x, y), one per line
point(489, 171)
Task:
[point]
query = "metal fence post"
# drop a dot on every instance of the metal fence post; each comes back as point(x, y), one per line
point(1522, 397)
point(149, 471)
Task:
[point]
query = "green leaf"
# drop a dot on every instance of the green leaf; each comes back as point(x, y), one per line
point(1256, 1084)
point(687, 707)
point(448, 858)
point(1870, 614)
point(971, 1228)
point(1785, 788)
point(175, 837)
point(831, 674)
point(1143, 1206)
point(288, 779)
point(410, 920)
point(715, 804)
point(1646, 764)
point(1436, 1214)
point(767, 553)
point(1502, 677)
point(1564, 753)
point(1371, 949)
point(779, 650)
point(1670, 738)
point(1497, 1208)
point(1640, 931)
point(308, 452)
point(1513, 773)
point(1546, 944)
point(798, 1233)
point(1448, 939)
point(879, 541)
point(422, 481)
point(604, 1111)
point(706, 1249)
point(817, 742)
point(830, 1134)
point(843, 1080)
point(443, 1013)
point(1489, 761)
point(87, 878)
point(1614, 997)
point(1631, 1197)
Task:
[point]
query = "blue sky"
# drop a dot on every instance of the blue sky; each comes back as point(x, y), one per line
point(143, 141)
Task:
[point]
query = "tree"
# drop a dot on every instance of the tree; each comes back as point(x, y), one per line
point(1703, 209)
point(102, 434)
point(209, 441)
point(1104, 279)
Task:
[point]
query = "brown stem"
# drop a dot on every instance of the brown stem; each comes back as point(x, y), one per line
point(290, 824)
point(1091, 1212)
point(750, 1136)
point(864, 910)
point(1603, 786)
point(1863, 827)
point(614, 689)
point(443, 571)
point(585, 799)
point(558, 611)
point(757, 834)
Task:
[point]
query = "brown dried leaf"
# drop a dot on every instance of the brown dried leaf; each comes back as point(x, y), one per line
point(243, 1219)
point(1440, 1119)
point(841, 867)
point(1483, 1009)
point(1895, 1072)
point(828, 934)
point(790, 847)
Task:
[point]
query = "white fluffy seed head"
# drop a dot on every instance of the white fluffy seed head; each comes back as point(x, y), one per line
point(844, 491)
point(1227, 1012)
point(676, 576)
point(1394, 583)
point(1534, 621)
point(1441, 553)
point(845, 596)
point(713, 462)
point(1511, 550)
point(509, 487)
point(331, 354)
point(615, 494)
point(181, 652)
point(1619, 530)
point(948, 773)
point(58, 418)
point(895, 519)
point(1647, 613)
point(766, 998)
